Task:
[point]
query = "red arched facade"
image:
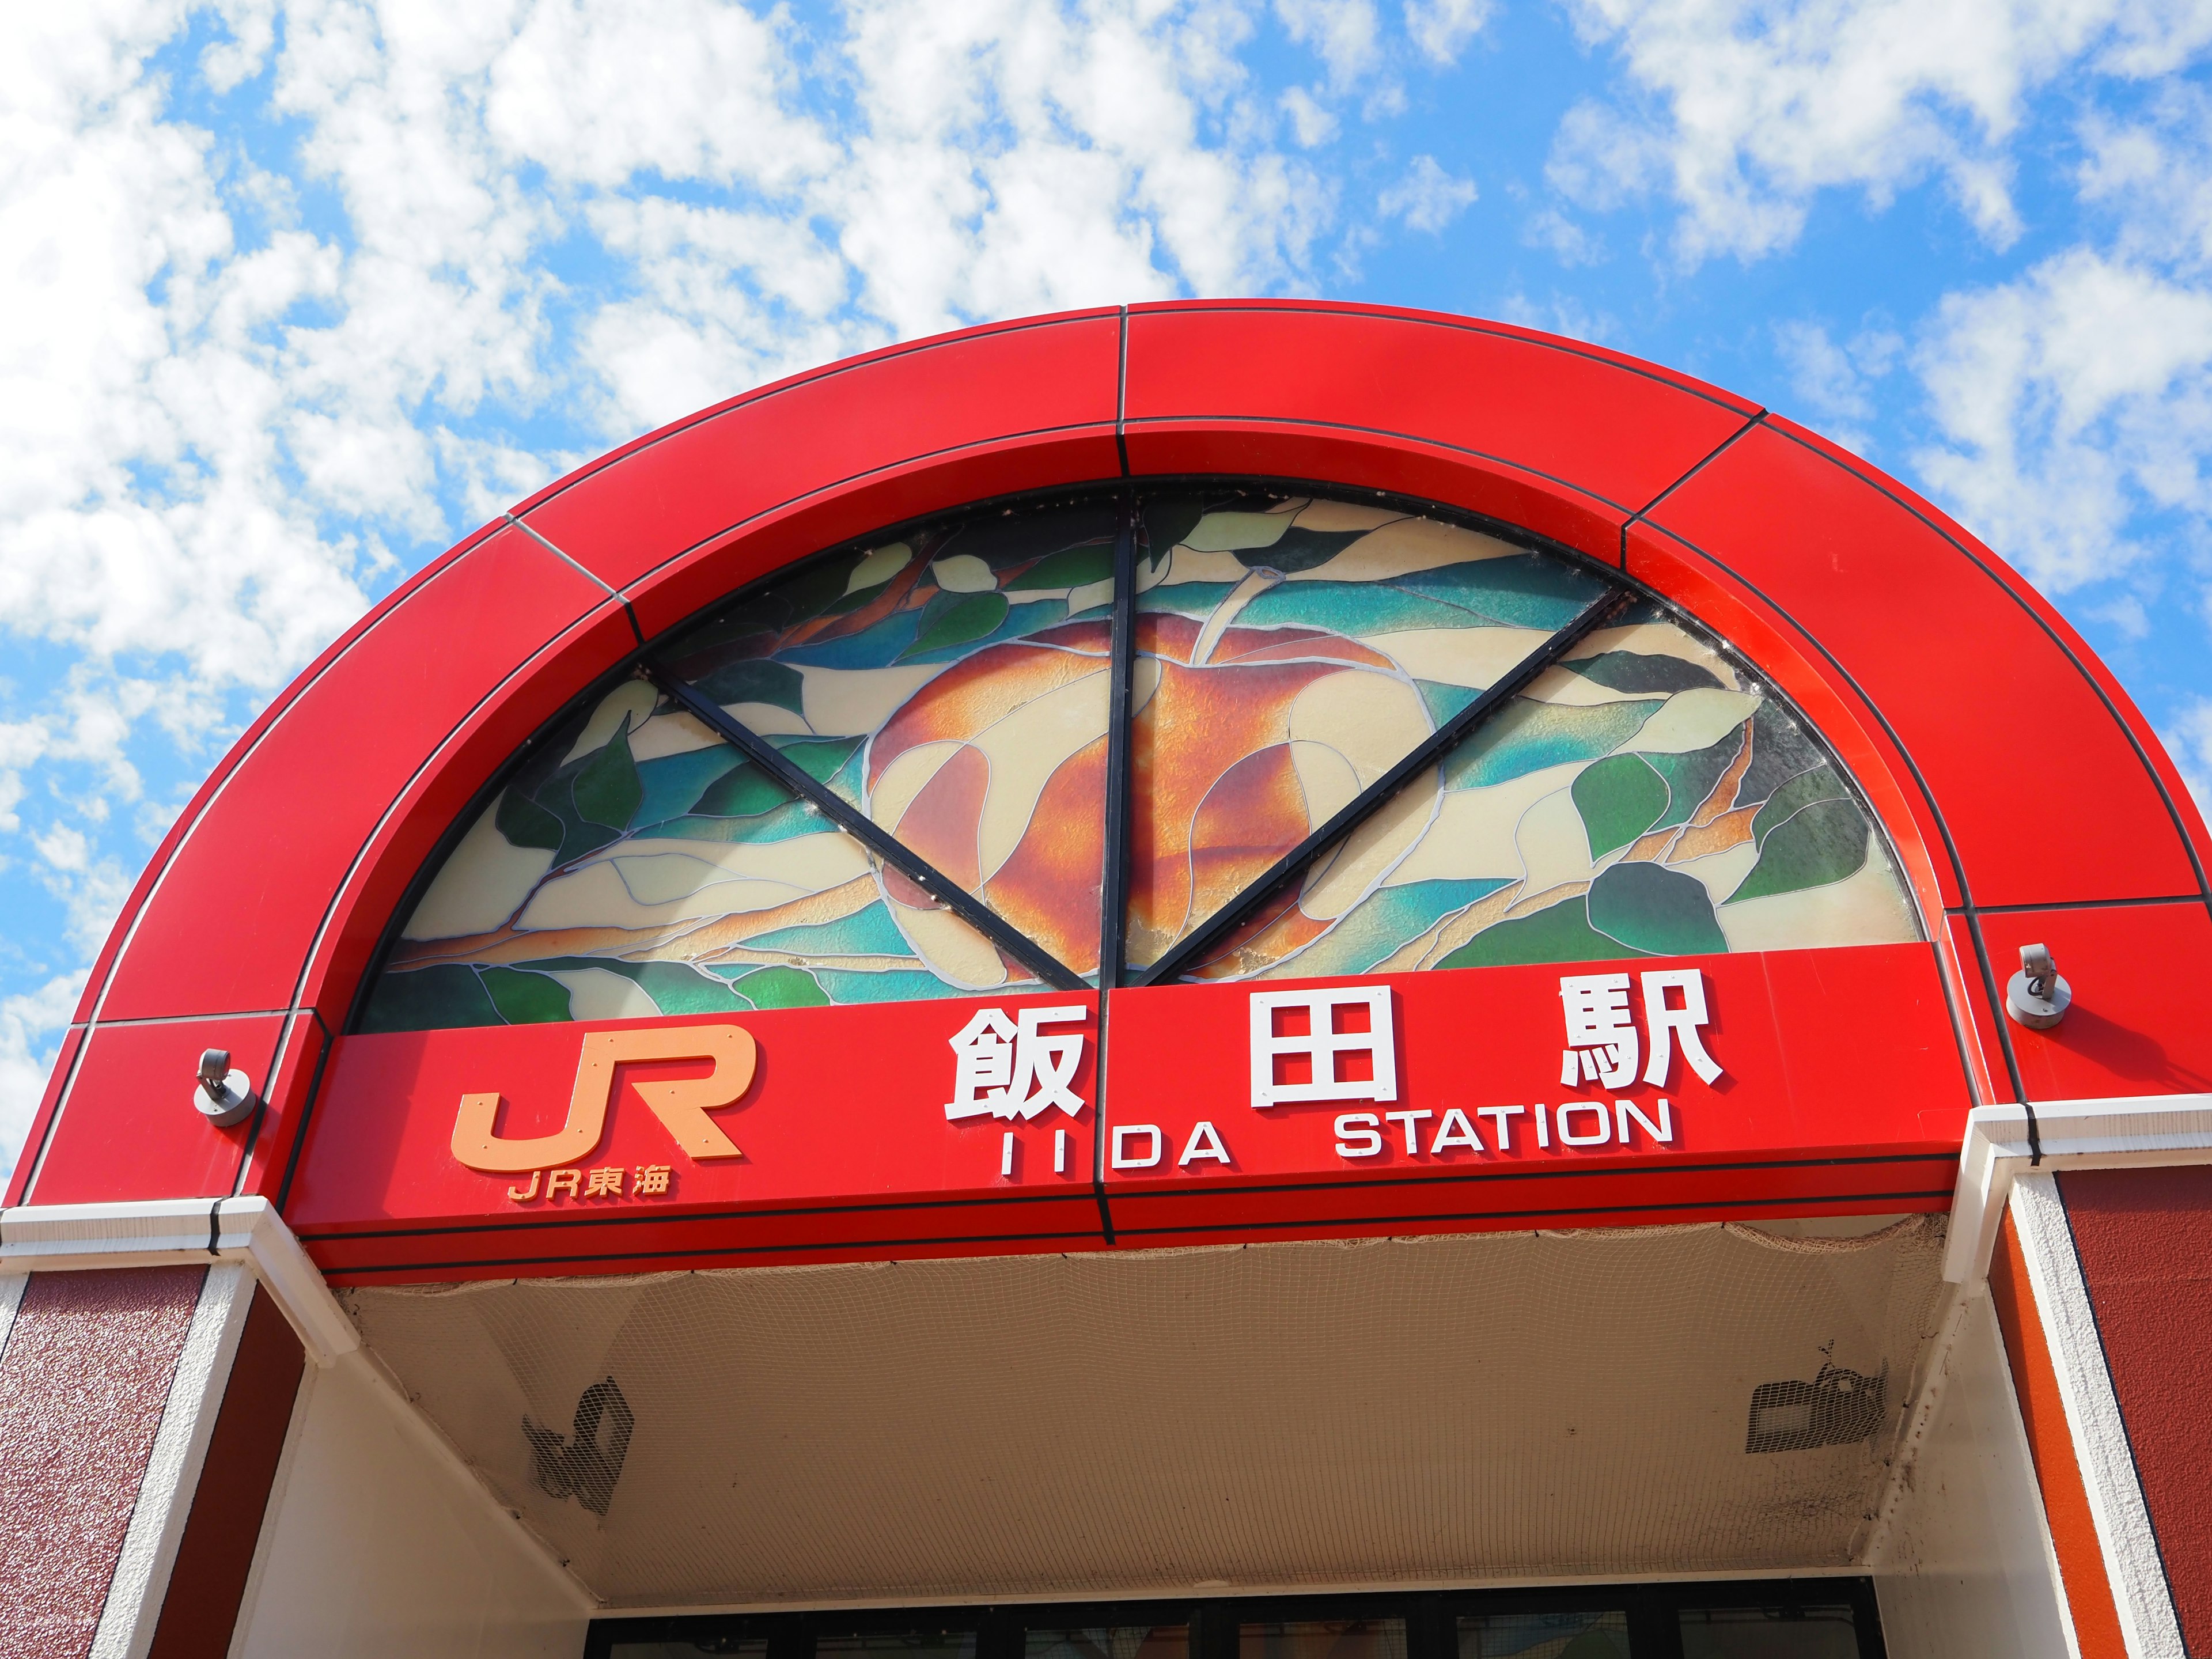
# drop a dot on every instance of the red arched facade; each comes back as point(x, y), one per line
point(2026, 797)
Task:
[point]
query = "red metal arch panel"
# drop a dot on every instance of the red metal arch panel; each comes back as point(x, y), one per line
point(2039, 778)
point(1048, 386)
point(1568, 440)
point(228, 926)
point(1564, 439)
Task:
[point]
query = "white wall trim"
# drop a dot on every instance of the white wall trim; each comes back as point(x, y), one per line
point(2131, 1130)
point(12, 1286)
point(177, 1232)
point(140, 1581)
point(2132, 1561)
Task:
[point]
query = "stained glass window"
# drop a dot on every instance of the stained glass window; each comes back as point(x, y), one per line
point(887, 774)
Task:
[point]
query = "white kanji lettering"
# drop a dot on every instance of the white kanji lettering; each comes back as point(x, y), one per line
point(1601, 1044)
point(1671, 1025)
point(1011, 1068)
point(1329, 1047)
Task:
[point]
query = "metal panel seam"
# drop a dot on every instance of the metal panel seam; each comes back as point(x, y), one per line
point(1488, 330)
point(980, 445)
point(1927, 794)
point(1309, 424)
point(2142, 757)
point(491, 697)
point(652, 439)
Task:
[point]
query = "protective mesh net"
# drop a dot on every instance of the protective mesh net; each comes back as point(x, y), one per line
point(1455, 1408)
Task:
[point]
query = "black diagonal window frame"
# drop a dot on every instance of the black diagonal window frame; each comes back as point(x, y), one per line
point(1204, 940)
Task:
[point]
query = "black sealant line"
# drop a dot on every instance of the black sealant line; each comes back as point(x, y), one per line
point(1114, 886)
point(1201, 941)
point(833, 806)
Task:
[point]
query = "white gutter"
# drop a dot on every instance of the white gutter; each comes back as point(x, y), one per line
point(2136, 1130)
point(179, 1232)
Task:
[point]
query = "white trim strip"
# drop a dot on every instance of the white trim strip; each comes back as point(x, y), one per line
point(2132, 1561)
point(2131, 1130)
point(177, 1232)
point(12, 1286)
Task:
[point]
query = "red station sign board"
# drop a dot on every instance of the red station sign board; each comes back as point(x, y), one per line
point(1789, 1082)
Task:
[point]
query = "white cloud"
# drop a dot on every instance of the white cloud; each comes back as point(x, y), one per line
point(30, 1027)
point(1440, 29)
point(1345, 34)
point(1570, 243)
point(1743, 110)
point(2067, 402)
point(1310, 123)
point(2188, 736)
point(1427, 198)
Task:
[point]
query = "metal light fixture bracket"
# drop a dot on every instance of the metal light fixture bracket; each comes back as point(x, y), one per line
point(2036, 996)
point(222, 1095)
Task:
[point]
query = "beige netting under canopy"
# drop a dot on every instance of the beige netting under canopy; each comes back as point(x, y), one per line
point(1456, 1409)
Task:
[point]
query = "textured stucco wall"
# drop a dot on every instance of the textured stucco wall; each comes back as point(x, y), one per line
point(2144, 1237)
point(84, 1379)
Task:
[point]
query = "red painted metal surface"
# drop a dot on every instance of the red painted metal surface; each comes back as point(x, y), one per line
point(1909, 645)
point(1047, 385)
point(844, 1141)
point(1839, 1082)
point(164, 1146)
point(240, 905)
point(82, 1385)
point(2136, 1026)
point(1945, 645)
point(2144, 1237)
point(1812, 1112)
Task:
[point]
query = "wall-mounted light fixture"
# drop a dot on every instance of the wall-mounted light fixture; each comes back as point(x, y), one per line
point(2036, 996)
point(222, 1096)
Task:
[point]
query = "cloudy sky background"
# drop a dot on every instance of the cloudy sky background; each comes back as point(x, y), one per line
point(294, 295)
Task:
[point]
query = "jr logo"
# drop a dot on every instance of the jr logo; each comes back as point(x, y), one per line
point(681, 1105)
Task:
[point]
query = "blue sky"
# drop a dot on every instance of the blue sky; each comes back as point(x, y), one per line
point(296, 295)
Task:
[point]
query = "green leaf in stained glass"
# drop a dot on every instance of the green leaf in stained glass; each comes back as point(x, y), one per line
point(1168, 520)
point(607, 790)
point(1632, 670)
point(781, 988)
point(1655, 910)
point(436, 998)
point(1691, 777)
point(820, 757)
point(1561, 932)
point(744, 791)
point(525, 823)
point(1779, 751)
point(1818, 844)
point(1072, 566)
point(1821, 783)
point(754, 680)
point(1528, 735)
point(525, 998)
point(676, 988)
point(812, 591)
point(1298, 549)
point(673, 783)
point(951, 619)
point(1619, 797)
point(1444, 701)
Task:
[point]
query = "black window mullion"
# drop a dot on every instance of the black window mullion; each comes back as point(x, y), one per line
point(864, 829)
point(1200, 942)
point(1113, 889)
